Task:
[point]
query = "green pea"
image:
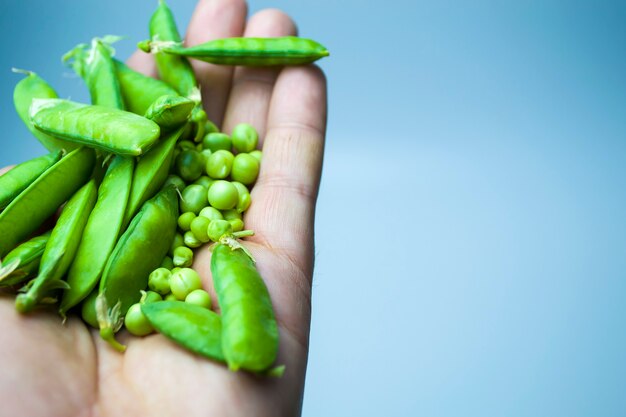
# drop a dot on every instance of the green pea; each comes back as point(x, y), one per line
point(196, 328)
point(176, 181)
point(136, 323)
point(223, 195)
point(245, 138)
point(219, 164)
point(184, 221)
point(257, 154)
point(170, 111)
point(199, 147)
point(150, 297)
point(245, 169)
point(219, 228)
point(170, 297)
point(167, 263)
point(211, 213)
point(243, 197)
point(194, 198)
point(107, 129)
point(286, 50)
point(16, 180)
point(210, 127)
point(216, 141)
point(199, 227)
point(191, 240)
point(183, 257)
point(189, 165)
point(204, 181)
point(176, 242)
point(237, 224)
point(186, 145)
point(185, 281)
point(199, 297)
point(158, 280)
point(231, 214)
point(23, 261)
point(250, 331)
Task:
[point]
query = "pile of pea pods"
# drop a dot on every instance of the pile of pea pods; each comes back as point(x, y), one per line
point(140, 179)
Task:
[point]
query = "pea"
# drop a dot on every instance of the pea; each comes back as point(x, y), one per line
point(185, 219)
point(257, 154)
point(210, 127)
point(170, 297)
point(219, 164)
point(219, 228)
point(150, 297)
point(245, 168)
point(186, 145)
point(245, 137)
point(167, 263)
point(223, 195)
point(176, 242)
point(231, 214)
point(183, 257)
point(185, 281)
point(189, 165)
point(237, 224)
point(194, 198)
point(199, 227)
point(199, 297)
point(215, 141)
point(243, 197)
point(204, 181)
point(176, 181)
point(211, 213)
point(158, 281)
point(191, 240)
point(136, 323)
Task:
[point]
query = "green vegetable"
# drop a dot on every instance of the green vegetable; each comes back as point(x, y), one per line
point(136, 323)
point(219, 164)
point(245, 138)
point(22, 262)
point(184, 281)
point(158, 281)
point(245, 169)
point(183, 257)
point(199, 297)
point(223, 195)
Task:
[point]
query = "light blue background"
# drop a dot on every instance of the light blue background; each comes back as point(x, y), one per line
point(471, 250)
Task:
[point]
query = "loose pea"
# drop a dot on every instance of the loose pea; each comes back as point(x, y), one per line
point(176, 242)
point(167, 263)
point(189, 165)
point(245, 137)
point(210, 127)
point(191, 240)
point(150, 297)
point(211, 213)
point(199, 227)
point(215, 141)
point(237, 224)
point(219, 164)
point(199, 147)
point(204, 181)
point(243, 197)
point(170, 297)
point(194, 198)
point(136, 323)
point(200, 298)
point(185, 219)
point(231, 214)
point(219, 228)
point(257, 154)
point(183, 257)
point(223, 195)
point(185, 281)
point(186, 145)
point(176, 181)
point(245, 168)
point(158, 281)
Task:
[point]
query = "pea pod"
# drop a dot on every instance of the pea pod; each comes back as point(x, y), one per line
point(170, 111)
point(138, 252)
point(193, 327)
point(60, 249)
point(43, 197)
point(20, 177)
point(96, 67)
point(150, 173)
point(287, 50)
point(23, 261)
point(249, 329)
point(101, 232)
point(140, 91)
point(108, 129)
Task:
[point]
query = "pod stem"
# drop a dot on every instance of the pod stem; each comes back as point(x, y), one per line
point(109, 321)
point(231, 241)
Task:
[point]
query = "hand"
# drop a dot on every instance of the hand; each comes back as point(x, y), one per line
point(51, 369)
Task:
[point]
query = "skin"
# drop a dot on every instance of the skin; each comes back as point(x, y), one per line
point(288, 108)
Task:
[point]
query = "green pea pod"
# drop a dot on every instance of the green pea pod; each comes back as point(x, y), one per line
point(150, 174)
point(170, 111)
point(61, 248)
point(287, 50)
point(23, 261)
point(107, 129)
point(88, 309)
point(249, 329)
point(193, 327)
point(97, 68)
point(140, 91)
point(42, 198)
point(28, 89)
point(138, 252)
point(20, 177)
point(101, 232)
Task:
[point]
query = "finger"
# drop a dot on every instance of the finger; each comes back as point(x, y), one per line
point(143, 63)
point(251, 89)
point(283, 199)
point(214, 19)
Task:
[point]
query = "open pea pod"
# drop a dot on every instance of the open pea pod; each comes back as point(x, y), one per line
point(60, 249)
point(42, 198)
point(101, 232)
point(138, 252)
point(16, 180)
point(108, 129)
point(23, 261)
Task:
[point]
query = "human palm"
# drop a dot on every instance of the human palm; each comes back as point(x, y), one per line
point(55, 369)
